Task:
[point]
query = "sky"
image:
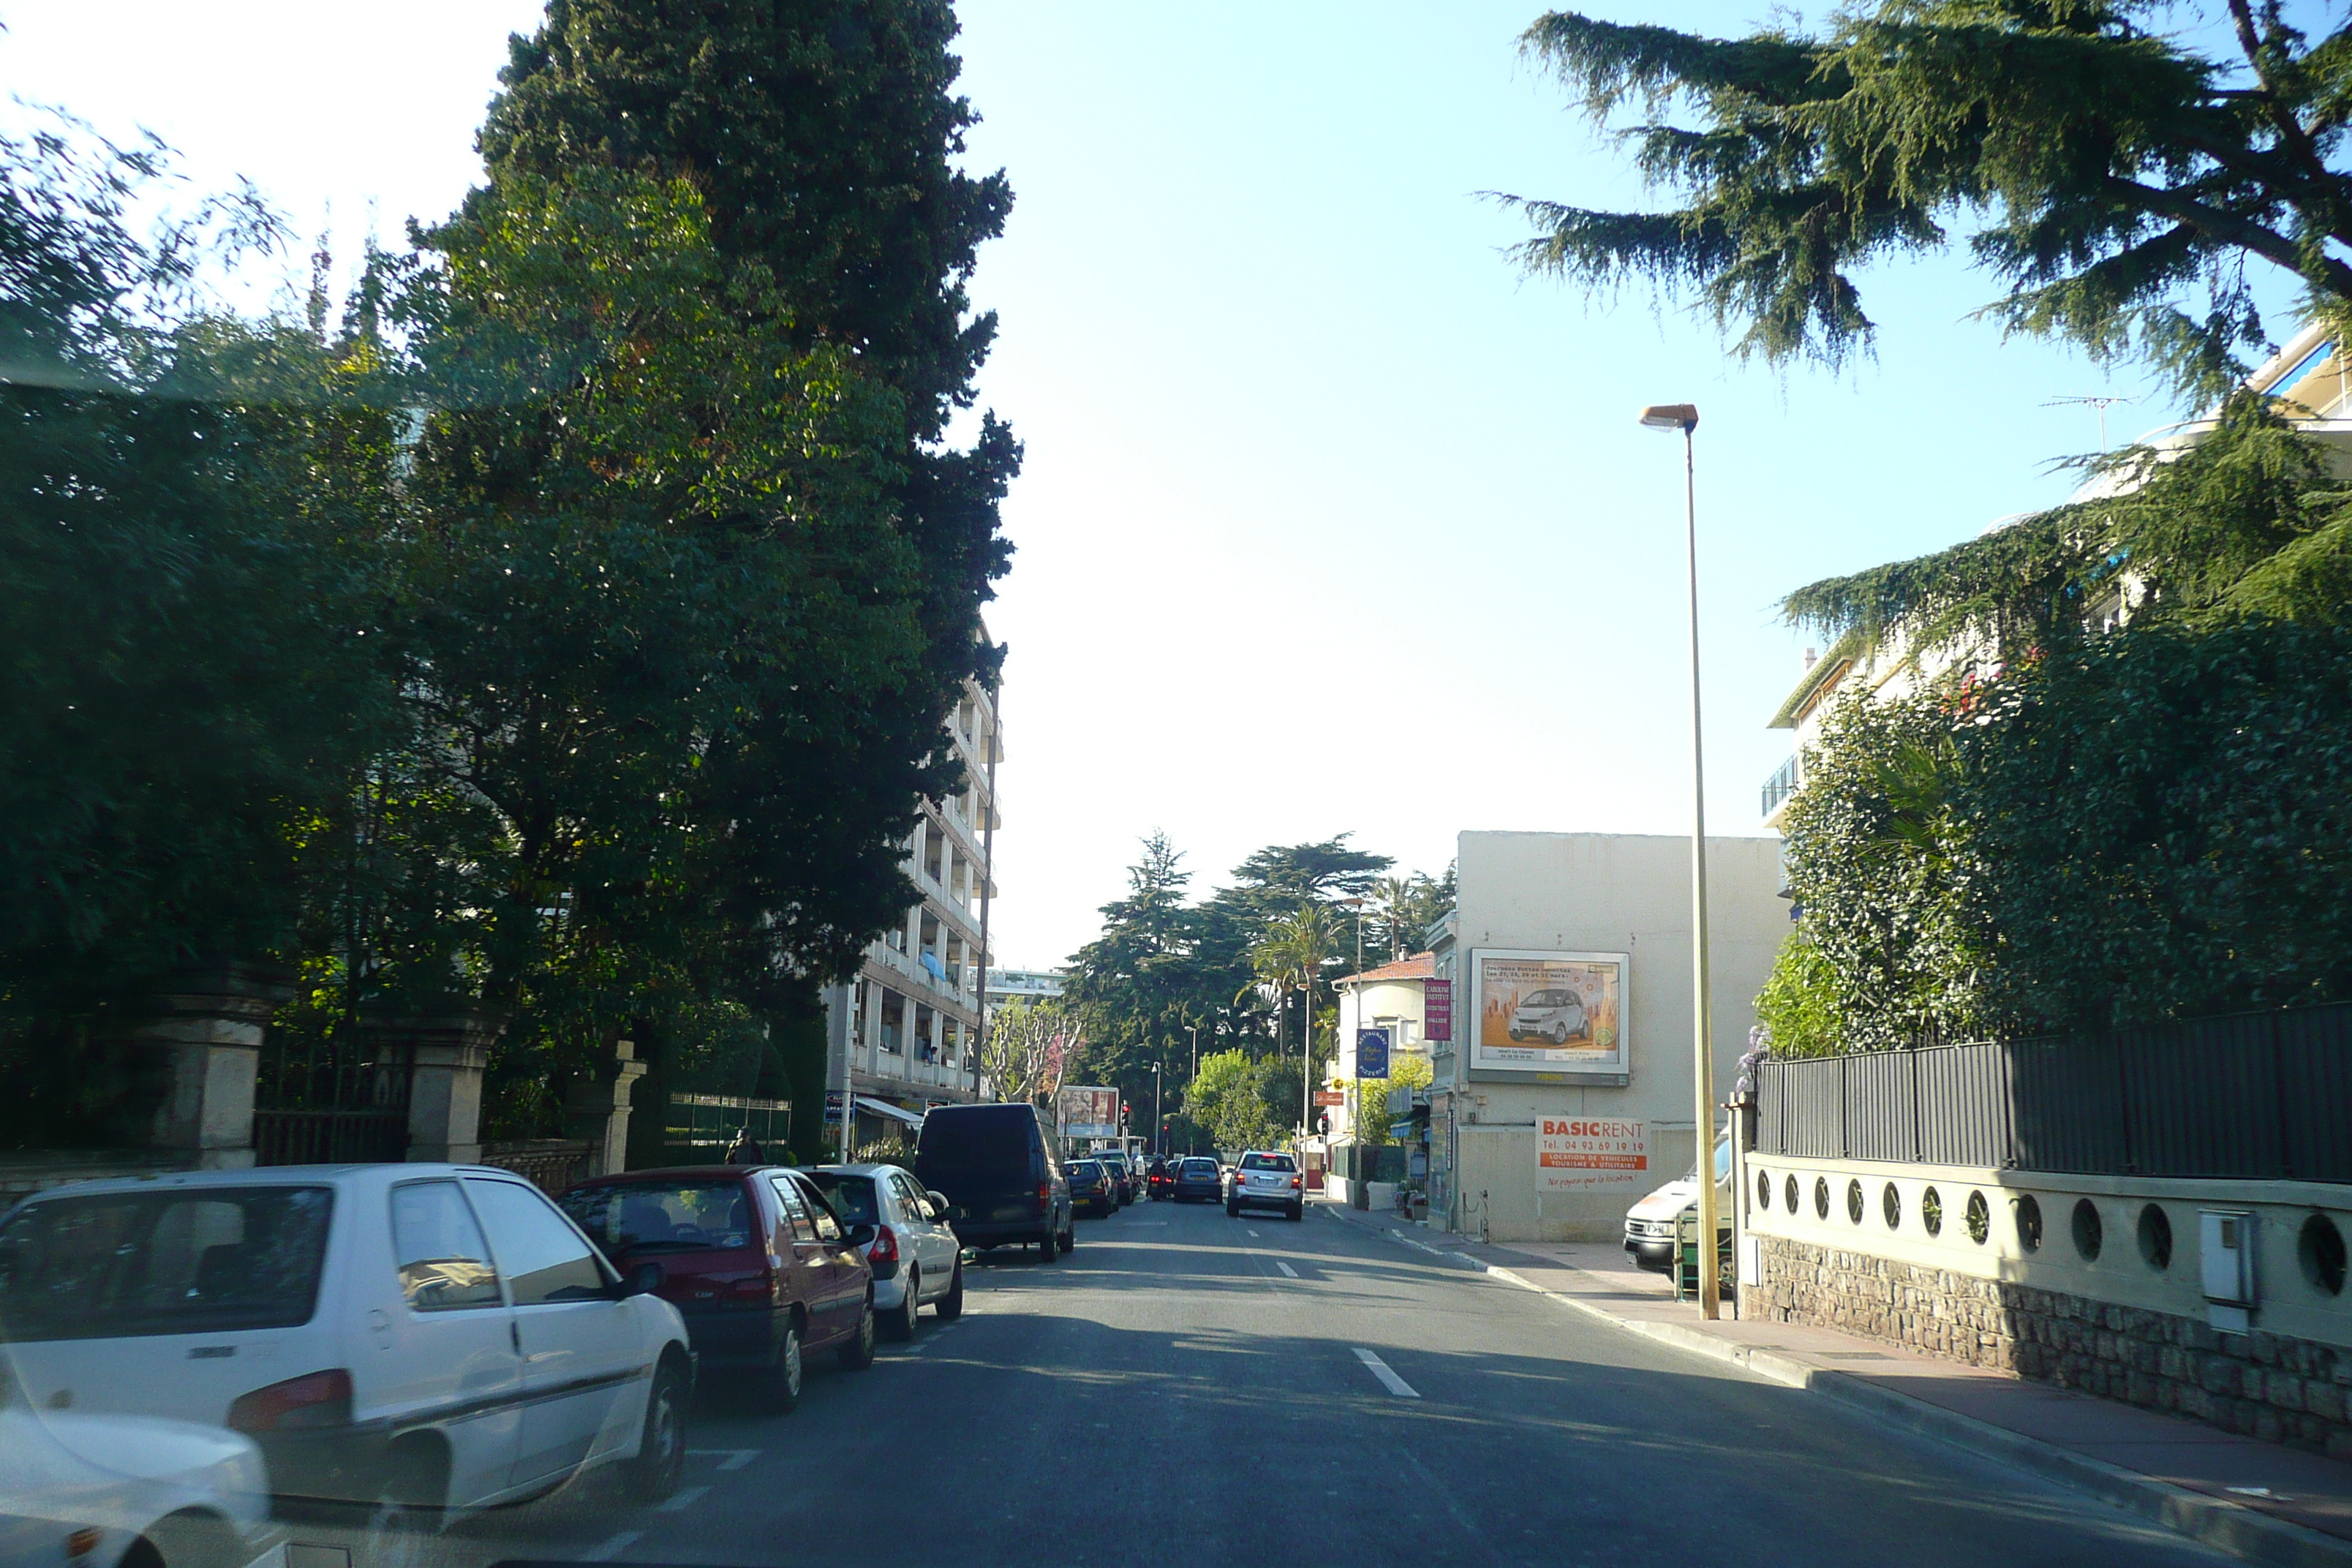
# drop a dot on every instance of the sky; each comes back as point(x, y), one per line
point(1331, 521)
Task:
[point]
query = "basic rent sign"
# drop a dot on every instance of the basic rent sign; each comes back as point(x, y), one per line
point(1576, 1151)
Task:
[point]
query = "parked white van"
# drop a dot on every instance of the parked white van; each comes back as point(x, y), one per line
point(1650, 1224)
point(418, 1340)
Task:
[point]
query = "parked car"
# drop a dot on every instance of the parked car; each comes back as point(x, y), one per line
point(1159, 1179)
point(1650, 1224)
point(913, 1254)
point(1197, 1181)
point(1266, 1180)
point(762, 1269)
point(1091, 1189)
point(129, 1492)
point(421, 1341)
point(995, 1166)
point(1122, 1179)
point(1556, 1016)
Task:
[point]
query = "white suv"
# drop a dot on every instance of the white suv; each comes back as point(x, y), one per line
point(1266, 1180)
point(419, 1340)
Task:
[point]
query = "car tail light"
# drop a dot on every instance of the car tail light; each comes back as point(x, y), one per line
point(315, 1399)
point(759, 1287)
point(1044, 1196)
point(1294, 1181)
point(886, 1245)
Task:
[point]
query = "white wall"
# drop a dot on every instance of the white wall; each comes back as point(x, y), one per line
point(1604, 893)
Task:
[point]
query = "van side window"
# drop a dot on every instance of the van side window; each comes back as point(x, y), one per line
point(444, 1263)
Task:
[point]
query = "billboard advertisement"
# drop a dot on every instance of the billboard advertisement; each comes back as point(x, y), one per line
point(1371, 1053)
point(1548, 1012)
point(1086, 1111)
point(1437, 1010)
point(1577, 1152)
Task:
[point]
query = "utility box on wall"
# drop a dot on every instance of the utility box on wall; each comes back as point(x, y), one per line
point(2225, 1254)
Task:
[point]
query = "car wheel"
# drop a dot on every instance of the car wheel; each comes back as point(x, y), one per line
point(900, 1324)
point(858, 1353)
point(191, 1540)
point(784, 1378)
point(1069, 1238)
point(950, 1305)
point(1045, 1248)
point(661, 1445)
point(1298, 1210)
point(1232, 1211)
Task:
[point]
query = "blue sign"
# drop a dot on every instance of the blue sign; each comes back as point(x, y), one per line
point(1371, 1053)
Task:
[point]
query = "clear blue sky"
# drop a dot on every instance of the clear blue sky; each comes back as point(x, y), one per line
point(1330, 522)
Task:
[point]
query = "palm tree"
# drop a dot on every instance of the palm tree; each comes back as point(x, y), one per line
point(1294, 952)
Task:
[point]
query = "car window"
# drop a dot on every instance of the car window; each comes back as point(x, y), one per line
point(1198, 1168)
point(910, 1197)
point(853, 1197)
point(542, 1258)
point(982, 1138)
point(1267, 1163)
point(821, 1215)
point(796, 1209)
point(681, 1217)
point(120, 1265)
point(444, 1263)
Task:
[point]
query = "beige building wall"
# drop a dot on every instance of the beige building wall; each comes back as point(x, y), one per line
point(1595, 892)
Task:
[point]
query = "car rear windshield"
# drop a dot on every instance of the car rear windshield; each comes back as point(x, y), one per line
point(664, 1216)
point(984, 1139)
point(1200, 1167)
point(1086, 1171)
point(852, 1196)
point(1267, 1163)
point(191, 1261)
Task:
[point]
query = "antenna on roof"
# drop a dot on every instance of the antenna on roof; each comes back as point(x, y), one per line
point(2101, 403)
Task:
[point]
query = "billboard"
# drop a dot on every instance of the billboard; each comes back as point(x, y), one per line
point(1371, 1053)
point(1086, 1111)
point(1577, 1152)
point(1548, 1012)
point(1437, 1010)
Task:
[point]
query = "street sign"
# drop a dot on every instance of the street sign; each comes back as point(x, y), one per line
point(1371, 1053)
point(1437, 1009)
point(1329, 1097)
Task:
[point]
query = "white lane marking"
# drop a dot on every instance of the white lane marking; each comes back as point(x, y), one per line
point(1379, 1369)
point(1287, 1271)
point(685, 1499)
point(736, 1457)
point(612, 1547)
point(1252, 1232)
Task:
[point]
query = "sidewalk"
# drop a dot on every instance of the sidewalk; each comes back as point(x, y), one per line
point(2255, 1500)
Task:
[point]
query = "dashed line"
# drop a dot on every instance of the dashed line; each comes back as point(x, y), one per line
point(612, 1546)
point(1252, 1232)
point(1379, 1369)
point(1287, 1271)
point(680, 1501)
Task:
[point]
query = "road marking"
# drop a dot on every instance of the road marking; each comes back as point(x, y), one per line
point(605, 1550)
point(736, 1457)
point(1252, 1232)
point(1379, 1369)
point(1287, 1271)
point(685, 1499)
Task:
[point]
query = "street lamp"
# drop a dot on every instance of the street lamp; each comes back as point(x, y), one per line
point(1158, 1127)
point(1683, 416)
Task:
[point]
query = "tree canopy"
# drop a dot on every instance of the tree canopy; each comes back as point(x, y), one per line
point(2115, 177)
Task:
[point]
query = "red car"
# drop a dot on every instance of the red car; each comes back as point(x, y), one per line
point(753, 1258)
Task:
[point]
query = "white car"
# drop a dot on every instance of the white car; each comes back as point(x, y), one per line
point(128, 1492)
point(1650, 1224)
point(1266, 1178)
point(914, 1256)
point(1556, 1016)
point(421, 1340)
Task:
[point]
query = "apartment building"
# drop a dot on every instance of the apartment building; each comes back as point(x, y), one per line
point(901, 1035)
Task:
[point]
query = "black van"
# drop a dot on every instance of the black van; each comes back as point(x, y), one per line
point(995, 1166)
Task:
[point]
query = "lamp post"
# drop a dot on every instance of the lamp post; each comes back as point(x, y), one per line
point(1158, 1127)
point(1683, 416)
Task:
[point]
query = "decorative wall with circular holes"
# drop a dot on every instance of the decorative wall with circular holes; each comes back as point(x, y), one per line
point(2156, 1236)
point(1763, 1189)
point(1822, 1197)
point(1890, 1203)
point(1788, 1192)
point(1853, 1201)
point(1979, 1217)
point(2090, 1230)
point(2029, 1223)
point(1931, 1211)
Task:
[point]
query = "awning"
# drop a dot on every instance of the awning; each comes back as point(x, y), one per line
point(896, 1113)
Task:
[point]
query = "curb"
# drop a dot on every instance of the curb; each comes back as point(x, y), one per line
point(2225, 1526)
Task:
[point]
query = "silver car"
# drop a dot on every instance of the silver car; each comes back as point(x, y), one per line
point(1266, 1178)
point(915, 1257)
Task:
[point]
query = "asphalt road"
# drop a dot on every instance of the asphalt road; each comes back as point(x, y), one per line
point(1188, 1389)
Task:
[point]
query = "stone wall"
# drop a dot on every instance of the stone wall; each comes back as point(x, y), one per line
point(2265, 1385)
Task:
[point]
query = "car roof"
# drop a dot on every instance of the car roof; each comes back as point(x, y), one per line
point(346, 1176)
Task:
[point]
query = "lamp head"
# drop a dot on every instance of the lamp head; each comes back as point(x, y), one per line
point(1683, 416)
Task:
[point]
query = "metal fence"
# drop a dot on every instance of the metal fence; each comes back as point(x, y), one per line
point(330, 1098)
point(2263, 1096)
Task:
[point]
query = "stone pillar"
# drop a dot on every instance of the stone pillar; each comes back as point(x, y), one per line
point(196, 1044)
point(597, 1110)
point(447, 1047)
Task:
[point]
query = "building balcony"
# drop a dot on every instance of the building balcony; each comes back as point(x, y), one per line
point(1781, 785)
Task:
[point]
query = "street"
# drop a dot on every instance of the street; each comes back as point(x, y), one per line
point(1189, 1388)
